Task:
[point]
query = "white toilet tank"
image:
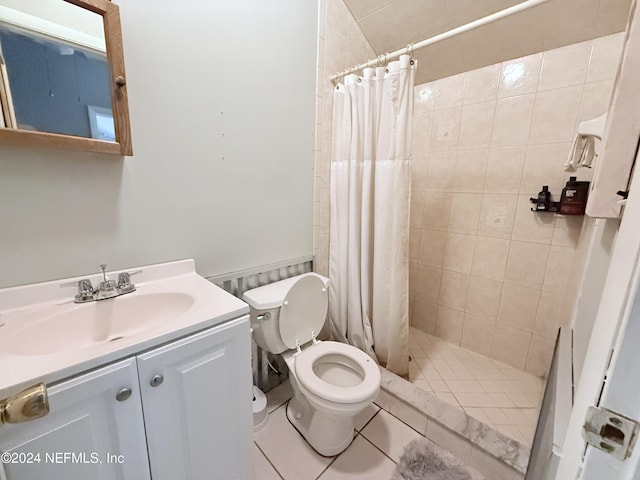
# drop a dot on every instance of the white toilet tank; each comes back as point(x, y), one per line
point(265, 304)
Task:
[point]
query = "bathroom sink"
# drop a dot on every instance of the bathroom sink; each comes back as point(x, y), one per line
point(68, 327)
point(46, 337)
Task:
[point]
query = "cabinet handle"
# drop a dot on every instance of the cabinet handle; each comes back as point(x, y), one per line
point(156, 380)
point(123, 394)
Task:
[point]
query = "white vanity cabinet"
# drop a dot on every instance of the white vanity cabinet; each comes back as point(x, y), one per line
point(86, 423)
point(197, 400)
point(178, 411)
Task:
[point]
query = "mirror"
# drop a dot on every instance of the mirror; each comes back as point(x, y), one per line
point(62, 79)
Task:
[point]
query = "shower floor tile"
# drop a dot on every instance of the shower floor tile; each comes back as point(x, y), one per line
point(491, 391)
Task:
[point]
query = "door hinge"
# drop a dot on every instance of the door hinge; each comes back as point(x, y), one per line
point(610, 432)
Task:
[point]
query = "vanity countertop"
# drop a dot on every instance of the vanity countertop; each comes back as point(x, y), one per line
point(45, 336)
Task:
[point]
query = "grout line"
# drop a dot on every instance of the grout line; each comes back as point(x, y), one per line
point(333, 460)
point(378, 448)
point(372, 417)
point(268, 460)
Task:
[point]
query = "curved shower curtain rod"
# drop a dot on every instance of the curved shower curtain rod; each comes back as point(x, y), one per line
point(527, 4)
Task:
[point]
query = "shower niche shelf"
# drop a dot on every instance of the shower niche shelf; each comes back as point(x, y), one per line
point(573, 200)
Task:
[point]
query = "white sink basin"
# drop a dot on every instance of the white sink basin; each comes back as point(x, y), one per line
point(44, 336)
point(61, 328)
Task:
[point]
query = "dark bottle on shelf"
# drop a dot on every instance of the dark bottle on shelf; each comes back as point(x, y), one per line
point(544, 197)
point(574, 197)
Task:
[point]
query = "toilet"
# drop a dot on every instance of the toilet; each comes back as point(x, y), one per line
point(332, 382)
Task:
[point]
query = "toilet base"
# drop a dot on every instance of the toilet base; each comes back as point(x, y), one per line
point(326, 434)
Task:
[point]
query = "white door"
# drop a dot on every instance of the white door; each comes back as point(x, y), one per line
point(197, 401)
point(88, 433)
point(621, 395)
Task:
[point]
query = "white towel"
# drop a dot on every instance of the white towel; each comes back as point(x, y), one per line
point(581, 153)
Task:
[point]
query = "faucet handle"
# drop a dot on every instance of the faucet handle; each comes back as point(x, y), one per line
point(85, 290)
point(124, 281)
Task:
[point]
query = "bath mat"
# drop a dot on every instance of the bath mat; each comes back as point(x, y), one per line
point(424, 460)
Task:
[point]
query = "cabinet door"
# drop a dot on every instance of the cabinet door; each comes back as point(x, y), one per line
point(88, 433)
point(197, 401)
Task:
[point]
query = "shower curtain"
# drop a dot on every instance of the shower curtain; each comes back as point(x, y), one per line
point(369, 229)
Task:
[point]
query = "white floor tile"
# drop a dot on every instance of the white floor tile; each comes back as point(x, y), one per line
point(279, 395)
point(389, 434)
point(289, 453)
point(363, 417)
point(361, 461)
point(262, 468)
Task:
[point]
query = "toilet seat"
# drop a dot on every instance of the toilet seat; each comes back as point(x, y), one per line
point(303, 311)
point(304, 368)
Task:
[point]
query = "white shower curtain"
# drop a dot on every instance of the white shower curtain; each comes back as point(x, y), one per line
point(370, 196)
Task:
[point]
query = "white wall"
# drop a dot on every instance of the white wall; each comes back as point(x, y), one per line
point(222, 98)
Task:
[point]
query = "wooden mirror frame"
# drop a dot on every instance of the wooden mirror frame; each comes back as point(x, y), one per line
point(115, 57)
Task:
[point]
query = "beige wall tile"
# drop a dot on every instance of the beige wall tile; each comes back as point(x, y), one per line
point(425, 282)
point(566, 66)
point(470, 170)
point(477, 334)
point(555, 114)
point(423, 315)
point(416, 209)
point(540, 353)
point(496, 214)
point(484, 297)
point(419, 170)
point(605, 56)
point(512, 120)
point(558, 269)
point(454, 288)
point(446, 129)
point(543, 165)
point(526, 264)
point(421, 138)
point(504, 169)
point(482, 84)
point(449, 324)
point(549, 315)
point(531, 226)
point(424, 99)
point(441, 171)
point(490, 258)
point(510, 345)
point(477, 124)
point(464, 213)
point(435, 212)
point(595, 99)
point(432, 247)
point(567, 231)
point(520, 76)
point(449, 92)
point(518, 307)
point(458, 254)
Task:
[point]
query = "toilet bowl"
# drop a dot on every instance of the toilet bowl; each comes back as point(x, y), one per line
point(332, 382)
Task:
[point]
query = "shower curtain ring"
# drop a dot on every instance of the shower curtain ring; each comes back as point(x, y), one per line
point(409, 49)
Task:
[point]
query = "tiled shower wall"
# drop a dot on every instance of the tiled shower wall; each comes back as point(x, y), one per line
point(486, 272)
point(341, 44)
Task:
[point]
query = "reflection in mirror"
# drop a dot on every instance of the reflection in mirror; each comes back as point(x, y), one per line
point(54, 72)
point(53, 91)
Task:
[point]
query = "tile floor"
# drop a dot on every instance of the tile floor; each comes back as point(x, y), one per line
point(281, 453)
point(493, 392)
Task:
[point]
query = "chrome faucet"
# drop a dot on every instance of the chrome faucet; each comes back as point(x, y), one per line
point(107, 289)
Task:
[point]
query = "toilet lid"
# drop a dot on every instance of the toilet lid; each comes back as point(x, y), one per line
point(303, 310)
